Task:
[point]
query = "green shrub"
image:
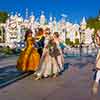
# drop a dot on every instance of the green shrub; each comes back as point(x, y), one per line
point(77, 42)
point(68, 41)
point(71, 43)
point(7, 50)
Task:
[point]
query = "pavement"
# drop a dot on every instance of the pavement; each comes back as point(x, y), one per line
point(6, 61)
point(74, 84)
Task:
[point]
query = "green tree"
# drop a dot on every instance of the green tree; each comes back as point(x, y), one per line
point(77, 42)
point(68, 41)
point(3, 16)
point(94, 22)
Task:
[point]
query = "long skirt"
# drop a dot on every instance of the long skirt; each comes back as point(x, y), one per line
point(28, 60)
point(48, 66)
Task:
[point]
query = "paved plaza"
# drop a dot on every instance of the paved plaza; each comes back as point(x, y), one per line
point(74, 84)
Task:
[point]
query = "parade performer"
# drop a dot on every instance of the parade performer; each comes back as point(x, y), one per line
point(97, 79)
point(29, 58)
point(60, 58)
point(40, 41)
point(54, 53)
point(48, 63)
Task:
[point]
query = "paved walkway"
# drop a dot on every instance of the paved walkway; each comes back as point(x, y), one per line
point(6, 61)
point(74, 84)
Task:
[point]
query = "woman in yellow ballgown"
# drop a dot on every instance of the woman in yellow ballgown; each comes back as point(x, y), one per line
point(29, 58)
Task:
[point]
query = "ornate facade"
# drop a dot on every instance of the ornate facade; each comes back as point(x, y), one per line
point(15, 28)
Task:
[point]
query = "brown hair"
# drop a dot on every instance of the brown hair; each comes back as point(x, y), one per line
point(47, 29)
point(56, 34)
point(27, 33)
point(40, 32)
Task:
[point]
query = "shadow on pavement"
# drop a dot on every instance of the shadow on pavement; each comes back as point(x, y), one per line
point(9, 74)
point(66, 66)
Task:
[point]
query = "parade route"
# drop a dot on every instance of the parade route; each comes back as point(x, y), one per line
point(74, 84)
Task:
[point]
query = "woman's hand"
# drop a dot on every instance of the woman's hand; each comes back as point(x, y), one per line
point(22, 49)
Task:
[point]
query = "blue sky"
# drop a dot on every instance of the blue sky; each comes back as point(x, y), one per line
point(74, 9)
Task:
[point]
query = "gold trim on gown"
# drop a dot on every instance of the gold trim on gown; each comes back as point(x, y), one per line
point(29, 58)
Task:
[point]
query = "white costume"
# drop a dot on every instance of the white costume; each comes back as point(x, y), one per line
point(48, 64)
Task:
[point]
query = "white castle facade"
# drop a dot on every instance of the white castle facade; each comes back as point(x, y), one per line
point(16, 24)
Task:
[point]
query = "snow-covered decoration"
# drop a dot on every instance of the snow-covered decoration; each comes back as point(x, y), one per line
point(83, 23)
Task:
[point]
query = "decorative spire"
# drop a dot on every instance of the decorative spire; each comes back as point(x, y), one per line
point(42, 12)
point(83, 22)
point(42, 18)
point(50, 18)
point(54, 18)
point(12, 13)
point(54, 22)
point(18, 14)
point(26, 13)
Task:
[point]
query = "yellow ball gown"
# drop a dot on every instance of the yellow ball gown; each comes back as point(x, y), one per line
point(29, 58)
